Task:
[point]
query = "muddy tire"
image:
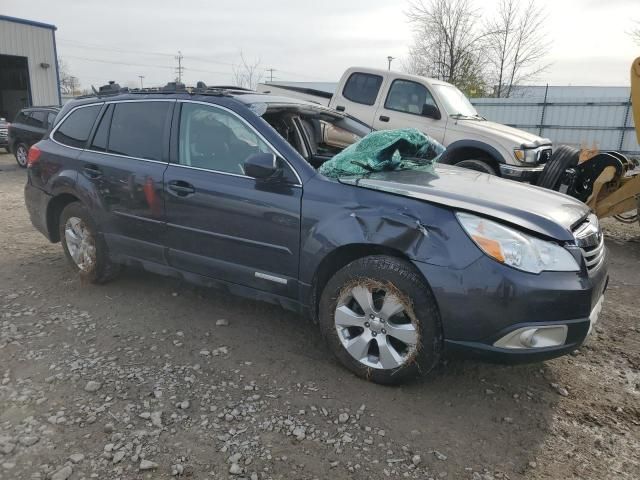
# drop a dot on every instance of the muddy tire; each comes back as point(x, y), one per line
point(477, 165)
point(84, 246)
point(380, 320)
point(563, 157)
point(21, 153)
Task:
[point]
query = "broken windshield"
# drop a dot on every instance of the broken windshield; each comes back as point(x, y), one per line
point(385, 150)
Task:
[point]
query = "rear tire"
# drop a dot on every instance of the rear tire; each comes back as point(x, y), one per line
point(380, 320)
point(563, 157)
point(21, 153)
point(84, 246)
point(477, 165)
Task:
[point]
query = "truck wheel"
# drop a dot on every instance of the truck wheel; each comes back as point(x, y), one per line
point(477, 165)
point(21, 153)
point(563, 157)
point(83, 246)
point(380, 320)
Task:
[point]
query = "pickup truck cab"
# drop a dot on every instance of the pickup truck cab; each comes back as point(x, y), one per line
point(390, 100)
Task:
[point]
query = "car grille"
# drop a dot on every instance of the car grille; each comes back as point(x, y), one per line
point(4, 133)
point(590, 239)
point(544, 156)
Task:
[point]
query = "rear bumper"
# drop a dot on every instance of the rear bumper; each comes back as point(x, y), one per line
point(487, 301)
point(521, 174)
point(37, 202)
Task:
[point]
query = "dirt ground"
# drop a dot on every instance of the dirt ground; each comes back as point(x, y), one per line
point(148, 377)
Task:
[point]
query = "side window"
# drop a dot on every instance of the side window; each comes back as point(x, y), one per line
point(37, 119)
point(137, 129)
point(409, 97)
point(51, 117)
point(101, 136)
point(215, 139)
point(75, 129)
point(21, 117)
point(362, 88)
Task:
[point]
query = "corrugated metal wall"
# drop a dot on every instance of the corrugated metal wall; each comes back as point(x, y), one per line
point(606, 123)
point(37, 44)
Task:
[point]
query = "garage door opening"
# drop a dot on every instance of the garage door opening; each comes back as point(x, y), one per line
point(14, 85)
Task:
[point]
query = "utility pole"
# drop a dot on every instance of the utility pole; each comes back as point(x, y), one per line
point(390, 59)
point(271, 70)
point(180, 68)
point(141, 77)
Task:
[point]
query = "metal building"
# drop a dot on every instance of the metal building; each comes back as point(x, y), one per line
point(28, 65)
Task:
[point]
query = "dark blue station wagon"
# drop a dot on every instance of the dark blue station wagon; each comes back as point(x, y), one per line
point(220, 187)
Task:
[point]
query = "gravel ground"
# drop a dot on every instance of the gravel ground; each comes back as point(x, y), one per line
point(148, 377)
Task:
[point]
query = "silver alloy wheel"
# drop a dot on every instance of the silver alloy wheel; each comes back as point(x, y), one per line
point(378, 333)
point(80, 243)
point(21, 155)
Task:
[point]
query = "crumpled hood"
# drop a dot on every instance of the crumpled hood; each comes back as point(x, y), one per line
point(524, 206)
point(512, 135)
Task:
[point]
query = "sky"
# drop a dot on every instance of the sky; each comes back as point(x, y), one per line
point(301, 40)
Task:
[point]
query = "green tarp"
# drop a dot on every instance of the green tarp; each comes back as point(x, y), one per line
point(384, 150)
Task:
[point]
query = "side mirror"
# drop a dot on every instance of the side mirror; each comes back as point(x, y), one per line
point(260, 165)
point(431, 111)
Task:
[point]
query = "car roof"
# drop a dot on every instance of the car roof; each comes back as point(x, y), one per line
point(36, 109)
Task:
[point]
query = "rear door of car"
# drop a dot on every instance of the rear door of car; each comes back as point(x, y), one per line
point(123, 167)
point(359, 95)
point(402, 108)
point(222, 223)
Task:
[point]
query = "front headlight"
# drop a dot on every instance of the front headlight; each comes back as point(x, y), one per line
point(516, 249)
point(526, 155)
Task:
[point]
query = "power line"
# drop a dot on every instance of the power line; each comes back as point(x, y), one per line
point(129, 64)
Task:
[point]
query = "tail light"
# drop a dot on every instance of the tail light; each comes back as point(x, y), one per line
point(33, 156)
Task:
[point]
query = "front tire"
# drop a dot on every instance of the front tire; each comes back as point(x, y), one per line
point(83, 246)
point(21, 153)
point(380, 320)
point(478, 166)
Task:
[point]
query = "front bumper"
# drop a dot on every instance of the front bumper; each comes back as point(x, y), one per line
point(521, 174)
point(486, 301)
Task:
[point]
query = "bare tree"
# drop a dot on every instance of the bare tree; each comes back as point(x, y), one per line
point(447, 42)
point(635, 34)
point(68, 83)
point(247, 74)
point(515, 45)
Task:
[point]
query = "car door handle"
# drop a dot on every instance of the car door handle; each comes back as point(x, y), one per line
point(181, 188)
point(384, 118)
point(92, 171)
point(340, 108)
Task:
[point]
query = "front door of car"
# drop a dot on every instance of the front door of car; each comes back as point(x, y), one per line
point(403, 108)
point(124, 166)
point(222, 223)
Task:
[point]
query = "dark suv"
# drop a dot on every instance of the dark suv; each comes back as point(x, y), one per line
point(221, 188)
point(4, 134)
point(30, 126)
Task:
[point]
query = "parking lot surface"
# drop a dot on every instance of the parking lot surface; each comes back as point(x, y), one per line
point(149, 377)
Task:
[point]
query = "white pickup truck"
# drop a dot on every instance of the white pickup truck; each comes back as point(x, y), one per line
point(389, 100)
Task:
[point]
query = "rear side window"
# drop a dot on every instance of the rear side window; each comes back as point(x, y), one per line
point(20, 118)
point(137, 129)
point(362, 88)
point(51, 117)
point(36, 119)
point(75, 129)
point(101, 137)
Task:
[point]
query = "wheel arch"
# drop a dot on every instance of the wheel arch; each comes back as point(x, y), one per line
point(472, 149)
point(341, 257)
point(54, 209)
